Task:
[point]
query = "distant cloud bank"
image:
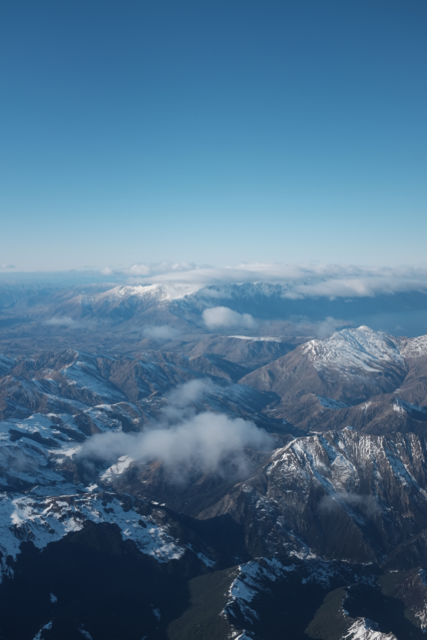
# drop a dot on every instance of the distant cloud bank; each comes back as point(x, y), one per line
point(298, 280)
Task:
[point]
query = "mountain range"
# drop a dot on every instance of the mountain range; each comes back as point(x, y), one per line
point(213, 482)
point(128, 318)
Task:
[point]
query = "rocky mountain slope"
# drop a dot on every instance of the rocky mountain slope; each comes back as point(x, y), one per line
point(356, 377)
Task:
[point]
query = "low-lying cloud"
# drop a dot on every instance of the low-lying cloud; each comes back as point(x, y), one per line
point(70, 323)
point(363, 502)
point(201, 442)
point(321, 329)
point(161, 333)
point(218, 317)
point(328, 326)
point(184, 441)
point(183, 398)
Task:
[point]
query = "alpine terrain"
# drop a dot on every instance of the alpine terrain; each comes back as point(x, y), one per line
point(173, 471)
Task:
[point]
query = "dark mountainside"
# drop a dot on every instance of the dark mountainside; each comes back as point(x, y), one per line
point(163, 479)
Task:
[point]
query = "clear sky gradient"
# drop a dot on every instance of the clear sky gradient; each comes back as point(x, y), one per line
point(213, 132)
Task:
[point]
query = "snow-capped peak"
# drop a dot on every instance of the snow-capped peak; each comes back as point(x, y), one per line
point(159, 291)
point(123, 292)
point(360, 348)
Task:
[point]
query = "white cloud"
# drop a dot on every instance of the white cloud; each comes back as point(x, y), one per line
point(365, 502)
point(201, 441)
point(181, 400)
point(224, 317)
point(297, 280)
point(184, 440)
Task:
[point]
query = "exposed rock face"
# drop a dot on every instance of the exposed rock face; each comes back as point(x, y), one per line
point(338, 495)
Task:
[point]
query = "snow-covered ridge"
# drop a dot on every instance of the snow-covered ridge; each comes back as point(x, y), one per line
point(45, 520)
point(255, 578)
point(414, 347)
point(364, 629)
point(248, 583)
point(360, 348)
point(159, 292)
point(33, 449)
point(335, 460)
point(84, 373)
point(117, 469)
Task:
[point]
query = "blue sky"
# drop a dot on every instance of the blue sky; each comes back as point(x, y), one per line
point(212, 132)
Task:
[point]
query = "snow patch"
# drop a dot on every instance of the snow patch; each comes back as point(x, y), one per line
point(414, 347)
point(117, 469)
point(47, 520)
point(364, 629)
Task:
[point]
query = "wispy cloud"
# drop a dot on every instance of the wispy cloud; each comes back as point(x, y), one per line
point(70, 323)
point(327, 327)
point(161, 333)
point(363, 502)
